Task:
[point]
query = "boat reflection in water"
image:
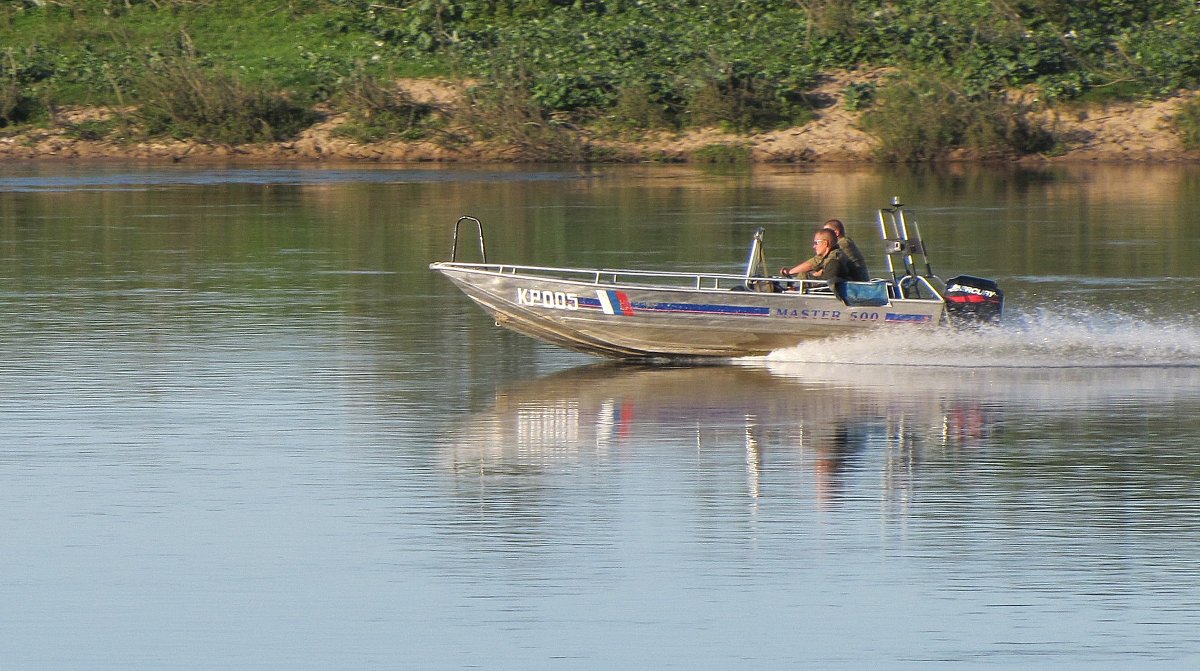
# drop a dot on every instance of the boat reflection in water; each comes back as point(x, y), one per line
point(818, 422)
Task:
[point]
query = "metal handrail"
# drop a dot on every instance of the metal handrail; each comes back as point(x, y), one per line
point(454, 246)
point(921, 279)
point(756, 264)
point(642, 278)
point(899, 242)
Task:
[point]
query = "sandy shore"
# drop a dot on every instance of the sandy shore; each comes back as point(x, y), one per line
point(1118, 132)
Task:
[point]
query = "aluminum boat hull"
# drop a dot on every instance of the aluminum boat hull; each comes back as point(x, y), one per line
point(619, 319)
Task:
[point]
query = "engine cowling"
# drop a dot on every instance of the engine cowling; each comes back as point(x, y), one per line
point(973, 300)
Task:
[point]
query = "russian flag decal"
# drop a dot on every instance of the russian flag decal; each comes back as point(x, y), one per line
point(614, 302)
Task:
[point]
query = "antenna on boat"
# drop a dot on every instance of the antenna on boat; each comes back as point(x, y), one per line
point(893, 238)
point(906, 245)
point(918, 245)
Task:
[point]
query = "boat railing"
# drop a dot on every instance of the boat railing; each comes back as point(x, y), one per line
point(650, 278)
point(454, 245)
point(917, 287)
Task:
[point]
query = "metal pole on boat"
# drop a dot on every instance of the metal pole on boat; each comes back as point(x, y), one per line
point(887, 245)
point(909, 267)
point(921, 245)
point(757, 258)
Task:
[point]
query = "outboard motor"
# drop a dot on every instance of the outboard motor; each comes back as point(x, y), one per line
point(973, 300)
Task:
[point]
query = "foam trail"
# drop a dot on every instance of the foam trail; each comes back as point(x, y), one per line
point(1046, 338)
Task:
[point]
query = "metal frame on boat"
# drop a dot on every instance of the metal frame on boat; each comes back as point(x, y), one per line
point(651, 314)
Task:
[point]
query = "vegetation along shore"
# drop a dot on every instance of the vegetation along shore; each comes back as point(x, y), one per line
point(717, 81)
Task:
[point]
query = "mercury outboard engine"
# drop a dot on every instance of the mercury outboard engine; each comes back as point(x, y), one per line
point(973, 300)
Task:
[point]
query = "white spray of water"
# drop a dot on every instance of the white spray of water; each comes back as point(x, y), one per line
point(1046, 338)
point(1048, 358)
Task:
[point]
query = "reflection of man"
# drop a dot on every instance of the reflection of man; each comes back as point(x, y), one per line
point(831, 456)
point(966, 424)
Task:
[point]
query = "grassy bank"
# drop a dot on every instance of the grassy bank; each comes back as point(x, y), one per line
point(549, 78)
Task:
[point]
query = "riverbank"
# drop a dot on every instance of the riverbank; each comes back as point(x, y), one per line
point(1114, 132)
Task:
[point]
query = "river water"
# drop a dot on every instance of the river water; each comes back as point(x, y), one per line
point(244, 427)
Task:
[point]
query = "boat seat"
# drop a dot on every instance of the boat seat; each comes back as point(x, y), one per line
point(872, 293)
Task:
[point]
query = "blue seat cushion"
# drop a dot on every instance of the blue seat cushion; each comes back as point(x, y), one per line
point(865, 293)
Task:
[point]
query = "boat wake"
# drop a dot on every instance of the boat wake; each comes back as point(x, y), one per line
point(1046, 338)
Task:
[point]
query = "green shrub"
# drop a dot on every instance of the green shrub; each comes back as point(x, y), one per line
point(858, 96)
point(722, 154)
point(379, 111)
point(183, 99)
point(13, 102)
point(739, 100)
point(640, 106)
point(504, 110)
point(924, 117)
point(17, 104)
point(93, 129)
point(1187, 123)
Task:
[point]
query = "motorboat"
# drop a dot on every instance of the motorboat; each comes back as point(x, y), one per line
point(647, 314)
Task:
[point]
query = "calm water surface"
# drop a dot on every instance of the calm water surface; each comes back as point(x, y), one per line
point(244, 427)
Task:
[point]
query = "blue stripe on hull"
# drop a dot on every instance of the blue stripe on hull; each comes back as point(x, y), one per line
point(685, 308)
point(912, 319)
point(702, 308)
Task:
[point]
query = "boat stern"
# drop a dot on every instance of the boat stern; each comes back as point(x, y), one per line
point(973, 300)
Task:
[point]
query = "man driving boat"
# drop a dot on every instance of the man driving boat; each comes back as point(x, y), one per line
point(858, 264)
point(852, 258)
point(831, 263)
